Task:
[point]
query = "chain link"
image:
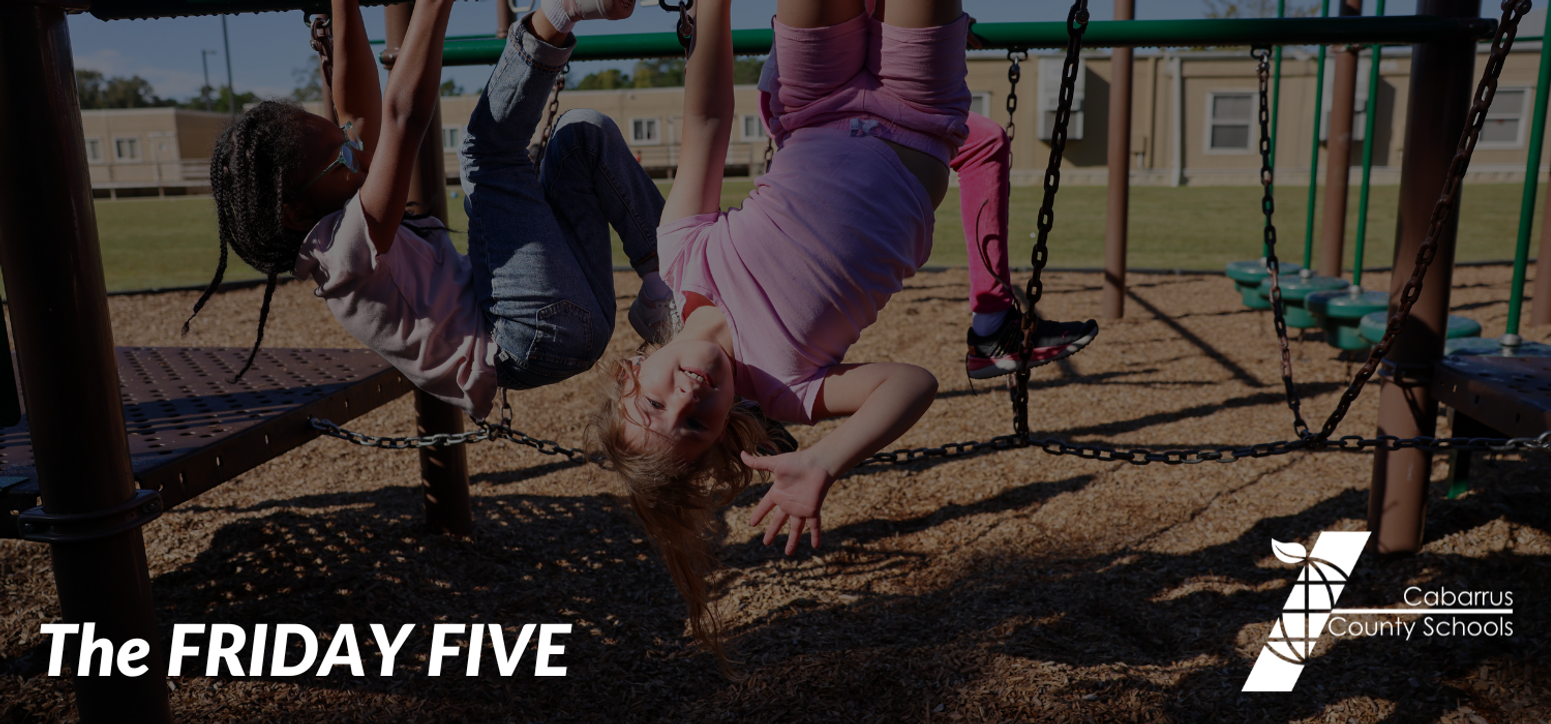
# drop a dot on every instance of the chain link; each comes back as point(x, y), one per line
point(769, 152)
point(1262, 57)
point(1076, 25)
point(1014, 74)
point(549, 123)
point(486, 431)
point(685, 28)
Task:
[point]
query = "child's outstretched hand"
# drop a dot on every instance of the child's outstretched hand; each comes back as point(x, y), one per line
point(797, 493)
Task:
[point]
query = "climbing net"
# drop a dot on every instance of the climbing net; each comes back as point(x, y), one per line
point(1076, 24)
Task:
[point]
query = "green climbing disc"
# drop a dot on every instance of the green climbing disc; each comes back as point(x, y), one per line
point(1247, 275)
point(1372, 326)
point(1340, 313)
point(1295, 288)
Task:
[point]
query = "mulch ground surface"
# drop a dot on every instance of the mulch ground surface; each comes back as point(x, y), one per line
point(1009, 586)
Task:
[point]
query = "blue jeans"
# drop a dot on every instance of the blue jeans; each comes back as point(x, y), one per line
point(539, 245)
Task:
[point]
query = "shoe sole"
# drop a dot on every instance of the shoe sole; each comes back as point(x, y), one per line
point(992, 369)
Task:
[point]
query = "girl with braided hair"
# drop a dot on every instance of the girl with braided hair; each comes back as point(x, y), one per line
point(533, 302)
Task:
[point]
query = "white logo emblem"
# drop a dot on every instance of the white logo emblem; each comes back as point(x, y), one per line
point(1320, 580)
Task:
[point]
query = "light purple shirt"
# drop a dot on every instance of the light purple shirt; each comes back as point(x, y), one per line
point(413, 305)
point(804, 266)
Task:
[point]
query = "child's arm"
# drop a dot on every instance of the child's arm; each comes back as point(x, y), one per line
point(357, 94)
point(708, 117)
point(407, 108)
point(883, 398)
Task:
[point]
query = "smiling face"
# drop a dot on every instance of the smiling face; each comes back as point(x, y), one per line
point(685, 392)
point(321, 142)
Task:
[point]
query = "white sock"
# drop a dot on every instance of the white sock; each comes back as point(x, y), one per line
point(555, 12)
point(986, 324)
point(654, 287)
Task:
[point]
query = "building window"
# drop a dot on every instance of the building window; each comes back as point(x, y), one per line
point(126, 149)
point(644, 130)
point(94, 150)
point(1230, 115)
point(753, 129)
point(980, 103)
point(451, 137)
point(1504, 126)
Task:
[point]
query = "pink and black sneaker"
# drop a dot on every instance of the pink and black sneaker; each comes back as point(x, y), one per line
point(996, 354)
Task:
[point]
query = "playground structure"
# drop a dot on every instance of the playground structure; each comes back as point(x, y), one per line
point(91, 509)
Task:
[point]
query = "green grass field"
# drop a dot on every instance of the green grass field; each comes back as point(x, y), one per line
point(148, 243)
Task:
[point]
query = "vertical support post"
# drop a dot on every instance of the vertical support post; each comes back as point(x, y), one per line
point(1319, 105)
point(64, 343)
point(444, 470)
point(504, 17)
point(1537, 135)
point(1369, 125)
point(1343, 104)
point(1119, 172)
point(1177, 147)
point(1442, 74)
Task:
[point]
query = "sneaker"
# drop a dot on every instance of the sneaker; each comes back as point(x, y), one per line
point(598, 9)
point(651, 318)
point(996, 354)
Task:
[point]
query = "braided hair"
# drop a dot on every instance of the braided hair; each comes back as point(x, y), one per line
point(253, 161)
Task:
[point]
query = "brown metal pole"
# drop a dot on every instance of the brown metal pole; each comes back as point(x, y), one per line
point(1540, 303)
point(444, 470)
point(1339, 152)
point(1118, 207)
point(504, 17)
point(1442, 77)
point(64, 344)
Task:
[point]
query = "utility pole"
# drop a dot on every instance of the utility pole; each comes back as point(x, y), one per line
point(231, 92)
point(204, 60)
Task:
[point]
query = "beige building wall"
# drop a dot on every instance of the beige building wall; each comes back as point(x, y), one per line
point(157, 151)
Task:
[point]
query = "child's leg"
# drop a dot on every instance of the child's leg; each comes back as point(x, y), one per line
point(982, 164)
point(593, 182)
point(822, 46)
point(543, 309)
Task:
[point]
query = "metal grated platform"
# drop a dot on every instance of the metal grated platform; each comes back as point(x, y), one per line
point(191, 429)
point(1511, 395)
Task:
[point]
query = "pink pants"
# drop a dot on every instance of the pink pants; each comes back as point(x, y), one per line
point(904, 85)
point(982, 164)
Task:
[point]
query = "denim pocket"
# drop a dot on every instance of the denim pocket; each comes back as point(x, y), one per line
point(562, 341)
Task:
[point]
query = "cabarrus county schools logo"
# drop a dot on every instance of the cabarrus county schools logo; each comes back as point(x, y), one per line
point(1321, 578)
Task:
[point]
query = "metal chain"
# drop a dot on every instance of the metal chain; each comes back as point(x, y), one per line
point(322, 32)
point(1076, 25)
point(486, 431)
point(685, 29)
point(1448, 199)
point(549, 123)
point(1268, 207)
point(1210, 453)
point(1014, 74)
point(769, 152)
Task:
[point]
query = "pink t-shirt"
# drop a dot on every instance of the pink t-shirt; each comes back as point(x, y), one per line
point(413, 305)
point(803, 267)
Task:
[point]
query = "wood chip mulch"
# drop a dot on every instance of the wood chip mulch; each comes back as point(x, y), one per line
point(1006, 587)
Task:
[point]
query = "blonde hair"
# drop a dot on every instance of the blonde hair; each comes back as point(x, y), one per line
point(677, 500)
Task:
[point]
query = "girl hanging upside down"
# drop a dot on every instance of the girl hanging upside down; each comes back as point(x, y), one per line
point(533, 302)
point(869, 109)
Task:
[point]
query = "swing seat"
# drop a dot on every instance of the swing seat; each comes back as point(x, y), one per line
point(1248, 274)
point(1340, 312)
point(1460, 328)
point(1295, 289)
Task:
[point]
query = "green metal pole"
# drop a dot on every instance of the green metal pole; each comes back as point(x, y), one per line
point(1276, 99)
point(1537, 133)
point(1319, 103)
point(1371, 112)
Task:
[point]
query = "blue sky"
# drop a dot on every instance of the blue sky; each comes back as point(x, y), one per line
point(267, 47)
